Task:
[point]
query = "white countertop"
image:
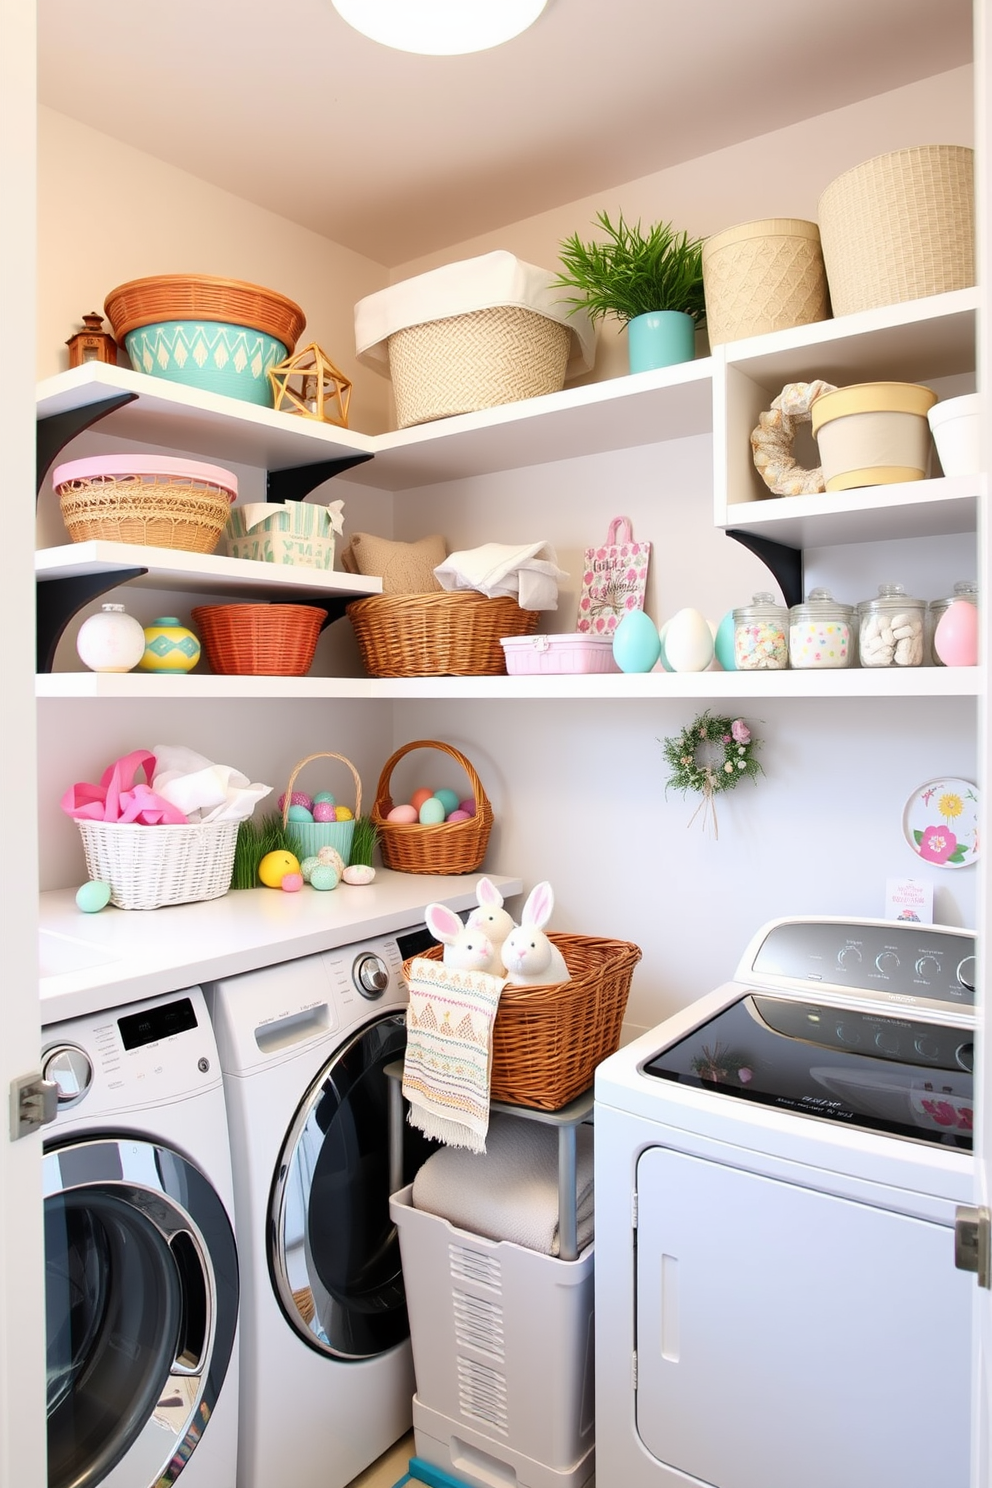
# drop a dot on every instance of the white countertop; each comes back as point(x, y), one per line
point(88, 962)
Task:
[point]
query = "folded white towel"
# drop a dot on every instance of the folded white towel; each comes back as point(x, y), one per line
point(510, 1191)
point(527, 573)
point(204, 792)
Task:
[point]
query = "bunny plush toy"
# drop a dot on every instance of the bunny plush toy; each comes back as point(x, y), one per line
point(465, 948)
point(489, 916)
point(529, 956)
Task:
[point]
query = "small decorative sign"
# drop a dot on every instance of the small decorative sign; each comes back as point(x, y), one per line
point(909, 899)
point(614, 578)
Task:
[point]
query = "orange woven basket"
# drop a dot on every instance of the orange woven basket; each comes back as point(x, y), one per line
point(449, 847)
point(259, 640)
point(547, 1041)
point(165, 297)
point(436, 635)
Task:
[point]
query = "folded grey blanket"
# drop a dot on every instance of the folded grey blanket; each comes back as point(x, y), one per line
point(510, 1191)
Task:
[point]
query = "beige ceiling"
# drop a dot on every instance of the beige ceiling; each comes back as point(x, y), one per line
point(396, 156)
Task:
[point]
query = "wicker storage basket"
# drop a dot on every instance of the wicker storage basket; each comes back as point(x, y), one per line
point(259, 640)
point(149, 867)
point(899, 227)
point(763, 276)
point(473, 361)
point(547, 1041)
point(309, 837)
point(160, 502)
point(436, 635)
point(166, 297)
point(449, 847)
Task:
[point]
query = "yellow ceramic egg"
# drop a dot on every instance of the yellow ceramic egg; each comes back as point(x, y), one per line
point(342, 813)
point(170, 646)
point(274, 867)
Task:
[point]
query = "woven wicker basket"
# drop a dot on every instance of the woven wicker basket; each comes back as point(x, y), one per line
point(157, 503)
point(149, 867)
point(763, 276)
point(309, 837)
point(899, 227)
point(547, 1041)
point(449, 847)
point(473, 361)
point(166, 297)
point(259, 640)
point(436, 635)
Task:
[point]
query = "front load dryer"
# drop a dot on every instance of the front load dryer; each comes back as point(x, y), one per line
point(326, 1367)
point(141, 1269)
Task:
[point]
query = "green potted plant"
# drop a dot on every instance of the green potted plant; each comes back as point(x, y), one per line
point(651, 280)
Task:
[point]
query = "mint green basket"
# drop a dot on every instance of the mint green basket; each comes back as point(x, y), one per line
point(309, 837)
point(211, 354)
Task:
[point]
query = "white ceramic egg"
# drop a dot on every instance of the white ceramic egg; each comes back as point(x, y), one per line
point(688, 642)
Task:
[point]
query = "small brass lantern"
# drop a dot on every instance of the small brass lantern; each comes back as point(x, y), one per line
point(310, 384)
point(92, 343)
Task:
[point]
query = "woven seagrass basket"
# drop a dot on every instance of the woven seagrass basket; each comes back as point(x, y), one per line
point(763, 276)
point(548, 1040)
point(150, 867)
point(473, 361)
point(436, 635)
point(259, 640)
point(900, 227)
point(309, 837)
point(449, 847)
point(159, 502)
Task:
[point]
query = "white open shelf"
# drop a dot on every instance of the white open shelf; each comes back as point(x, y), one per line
point(927, 508)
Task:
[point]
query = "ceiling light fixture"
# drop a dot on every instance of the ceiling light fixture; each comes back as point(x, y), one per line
point(440, 28)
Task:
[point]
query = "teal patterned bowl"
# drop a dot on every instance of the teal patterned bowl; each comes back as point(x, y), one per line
point(210, 354)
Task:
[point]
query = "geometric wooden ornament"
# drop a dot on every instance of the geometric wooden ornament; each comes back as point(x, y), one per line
point(308, 383)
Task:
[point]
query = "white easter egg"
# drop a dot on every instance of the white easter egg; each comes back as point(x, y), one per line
point(688, 642)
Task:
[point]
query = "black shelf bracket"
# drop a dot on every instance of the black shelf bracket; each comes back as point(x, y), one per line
point(297, 483)
point(56, 431)
point(784, 563)
point(334, 604)
point(60, 599)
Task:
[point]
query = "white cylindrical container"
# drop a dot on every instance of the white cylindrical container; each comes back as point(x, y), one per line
point(821, 632)
point(891, 629)
point(873, 434)
point(112, 641)
point(956, 427)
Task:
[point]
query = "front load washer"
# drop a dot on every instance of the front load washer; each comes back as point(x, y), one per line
point(326, 1367)
point(141, 1269)
point(777, 1172)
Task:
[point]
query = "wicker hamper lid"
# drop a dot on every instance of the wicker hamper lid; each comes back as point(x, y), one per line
point(95, 466)
point(489, 281)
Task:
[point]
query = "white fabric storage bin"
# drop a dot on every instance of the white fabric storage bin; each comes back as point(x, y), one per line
point(472, 335)
point(502, 1341)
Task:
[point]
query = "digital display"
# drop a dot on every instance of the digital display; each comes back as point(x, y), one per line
point(152, 1024)
point(415, 943)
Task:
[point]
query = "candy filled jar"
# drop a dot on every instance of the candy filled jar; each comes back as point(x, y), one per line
point(761, 635)
point(822, 632)
point(891, 629)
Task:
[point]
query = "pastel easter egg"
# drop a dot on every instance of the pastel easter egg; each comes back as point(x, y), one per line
point(723, 643)
point(457, 816)
point(300, 814)
point(689, 641)
point(431, 812)
point(324, 877)
point(468, 806)
point(419, 797)
point(956, 638)
point(666, 665)
point(358, 873)
point(636, 643)
point(93, 896)
point(402, 815)
point(448, 799)
point(307, 867)
point(324, 811)
point(343, 813)
point(329, 857)
point(298, 798)
point(324, 796)
point(292, 883)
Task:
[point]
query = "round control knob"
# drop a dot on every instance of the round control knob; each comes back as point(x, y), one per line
point(966, 973)
point(849, 956)
point(371, 975)
point(887, 963)
point(71, 1070)
point(927, 1045)
point(928, 967)
point(887, 1039)
point(965, 1056)
point(848, 1034)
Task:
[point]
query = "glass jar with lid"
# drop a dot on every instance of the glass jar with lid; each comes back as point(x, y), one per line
point(761, 635)
point(891, 629)
point(821, 632)
point(964, 589)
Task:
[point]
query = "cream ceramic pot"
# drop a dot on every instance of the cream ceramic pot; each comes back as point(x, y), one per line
point(873, 434)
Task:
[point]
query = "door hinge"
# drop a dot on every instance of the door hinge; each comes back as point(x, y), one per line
point(973, 1241)
point(34, 1102)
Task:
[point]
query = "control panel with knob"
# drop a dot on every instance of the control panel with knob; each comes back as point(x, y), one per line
point(887, 962)
point(371, 975)
point(928, 967)
point(966, 973)
point(71, 1071)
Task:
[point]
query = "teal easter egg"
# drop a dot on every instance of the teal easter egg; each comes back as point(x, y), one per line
point(663, 658)
point(431, 812)
point(448, 799)
point(325, 796)
point(323, 877)
point(636, 643)
point(307, 867)
point(299, 813)
point(723, 643)
point(93, 896)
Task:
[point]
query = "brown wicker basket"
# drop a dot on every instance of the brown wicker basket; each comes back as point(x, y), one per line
point(165, 297)
point(158, 501)
point(259, 640)
point(547, 1041)
point(450, 847)
point(436, 635)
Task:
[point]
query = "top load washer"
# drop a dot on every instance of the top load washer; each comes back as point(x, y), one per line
point(326, 1368)
point(777, 1172)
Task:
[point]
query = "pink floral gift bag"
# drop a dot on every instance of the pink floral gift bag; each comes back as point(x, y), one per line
point(614, 578)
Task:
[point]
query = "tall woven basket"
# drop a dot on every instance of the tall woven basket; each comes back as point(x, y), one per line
point(763, 276)
point(547, 1041)
point(900, 227)
point(449, 847)
point(309, 837)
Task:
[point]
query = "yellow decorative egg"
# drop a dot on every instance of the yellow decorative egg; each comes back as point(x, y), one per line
point(274, 867)
point(343, 813)
point(170, 646)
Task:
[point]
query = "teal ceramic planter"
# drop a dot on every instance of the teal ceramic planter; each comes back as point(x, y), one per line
point(221, 358)
point(660, 338)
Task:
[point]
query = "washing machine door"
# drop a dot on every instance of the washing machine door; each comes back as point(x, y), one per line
point(334, 1253)
point(141, 1295)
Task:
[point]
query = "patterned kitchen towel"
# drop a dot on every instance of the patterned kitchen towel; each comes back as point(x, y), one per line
point(448, 1063)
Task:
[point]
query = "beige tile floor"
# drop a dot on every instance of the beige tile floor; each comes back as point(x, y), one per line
point(389, 1468)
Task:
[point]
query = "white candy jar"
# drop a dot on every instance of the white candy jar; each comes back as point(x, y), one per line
point(891, 629)
point(821, 632)
point(761, 635)
point(963, 589)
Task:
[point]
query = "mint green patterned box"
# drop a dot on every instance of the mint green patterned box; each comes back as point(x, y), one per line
point(295, 532)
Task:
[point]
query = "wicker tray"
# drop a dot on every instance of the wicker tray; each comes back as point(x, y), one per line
point(449, 847)
point(259, 640)
point(165, 297)
point(436, 635)
point(547, 1041)
point(310, 837)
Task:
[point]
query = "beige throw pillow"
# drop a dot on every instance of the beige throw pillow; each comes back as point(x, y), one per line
point(405, 568)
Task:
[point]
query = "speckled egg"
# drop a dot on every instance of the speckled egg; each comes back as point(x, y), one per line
point(324, 877)
point(324, 811)
point(324, 796)
point(307, 867)
point(298, 798)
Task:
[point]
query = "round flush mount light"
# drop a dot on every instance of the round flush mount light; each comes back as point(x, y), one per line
point(440, 28)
